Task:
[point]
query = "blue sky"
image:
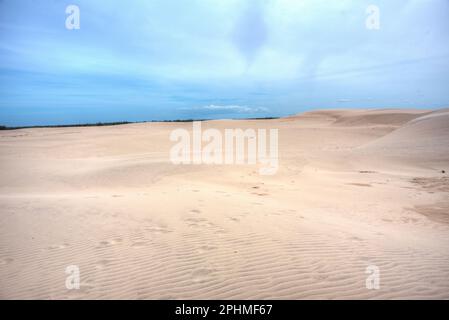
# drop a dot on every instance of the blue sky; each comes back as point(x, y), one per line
point(172, 59)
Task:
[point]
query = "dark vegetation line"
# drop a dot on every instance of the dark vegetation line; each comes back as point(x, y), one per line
point(102, 124)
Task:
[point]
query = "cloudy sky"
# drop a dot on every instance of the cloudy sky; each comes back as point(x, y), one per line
point(169, 59)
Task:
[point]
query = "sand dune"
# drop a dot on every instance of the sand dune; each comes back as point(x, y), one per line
point(355, 188)
point(423, 139)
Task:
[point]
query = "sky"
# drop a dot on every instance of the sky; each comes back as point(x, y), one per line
point(199, 59)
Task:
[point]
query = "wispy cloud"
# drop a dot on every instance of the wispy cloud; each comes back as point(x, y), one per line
point(227, 109)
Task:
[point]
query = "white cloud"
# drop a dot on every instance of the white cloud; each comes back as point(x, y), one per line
point(228, 108)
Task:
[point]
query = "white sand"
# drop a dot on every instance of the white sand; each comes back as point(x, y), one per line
point(354, 188)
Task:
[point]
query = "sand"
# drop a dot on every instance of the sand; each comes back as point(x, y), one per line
point(354, 188)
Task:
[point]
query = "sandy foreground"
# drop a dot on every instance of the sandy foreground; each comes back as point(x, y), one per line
point(354, 188)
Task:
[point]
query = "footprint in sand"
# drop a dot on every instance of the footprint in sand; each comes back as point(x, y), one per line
point(58, 246)
point(202, 275)
point(158, 229)
point(194, 222)
point(104, 243)
point(108, 243)
point(102, 264)
point(321, 277)
point(139, 244)
point(206, 248)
